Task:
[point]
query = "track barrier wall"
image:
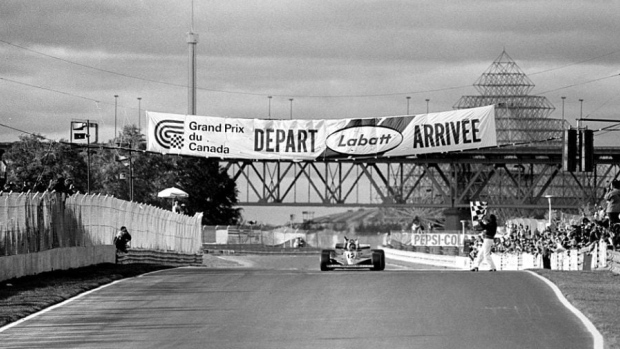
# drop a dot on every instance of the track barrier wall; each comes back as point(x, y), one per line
point(54, 259)
point(596, 258)
point(34, 227)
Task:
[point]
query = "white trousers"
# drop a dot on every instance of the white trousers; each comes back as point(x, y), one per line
point(485, 254)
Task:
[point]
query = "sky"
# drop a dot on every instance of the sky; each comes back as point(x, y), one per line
point(66, 60)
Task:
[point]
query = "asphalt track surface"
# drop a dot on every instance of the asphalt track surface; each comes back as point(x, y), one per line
point(286, 302)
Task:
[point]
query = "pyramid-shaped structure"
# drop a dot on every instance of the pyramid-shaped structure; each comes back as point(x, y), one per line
point(520, 118)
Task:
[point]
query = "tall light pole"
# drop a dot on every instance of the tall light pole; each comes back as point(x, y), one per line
point(427, 100)
point(580, 113)
point(88, 156)
point(408, 98)
point(269, 97)
point(192, 40)
point(290, 99)
point(130, 173)
point(549, 198)
point(139, 111)
point(115, 113)
point(563, 99)
point(581, 108)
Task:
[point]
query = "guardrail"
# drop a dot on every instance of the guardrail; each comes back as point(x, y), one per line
point(168, 258)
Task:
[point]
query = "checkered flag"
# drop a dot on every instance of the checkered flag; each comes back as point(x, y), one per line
point(176, 141)
point(478, 211)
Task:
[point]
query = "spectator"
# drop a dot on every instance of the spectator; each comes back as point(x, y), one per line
point(8, 187)
point(39, 186)
point(69, 187)
point(387, 239)
point(613, 202)
point(57, 185)
point(416, 226)
point(542, 248)
point(122, 239)
point(26, 186)
point(474, 245)
point(176, 207)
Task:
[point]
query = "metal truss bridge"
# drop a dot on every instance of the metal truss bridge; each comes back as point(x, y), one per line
point(519, 179)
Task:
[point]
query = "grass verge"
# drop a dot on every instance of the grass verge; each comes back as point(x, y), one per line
point(596, 294)
point(26, 295)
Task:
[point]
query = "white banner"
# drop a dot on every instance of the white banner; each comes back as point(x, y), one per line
point(259, 139)
point(437, 239)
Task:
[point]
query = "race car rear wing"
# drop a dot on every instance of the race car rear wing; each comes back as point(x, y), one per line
point(342, 246)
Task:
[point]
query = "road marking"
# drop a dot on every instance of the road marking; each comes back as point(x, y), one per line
point(596, 335)
point(67, 301)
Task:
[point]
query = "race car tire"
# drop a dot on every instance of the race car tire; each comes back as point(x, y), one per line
point(378, 260)
point(325, 259)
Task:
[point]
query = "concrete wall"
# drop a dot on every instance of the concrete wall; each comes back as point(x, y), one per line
point(596, 258)
point(55, 259)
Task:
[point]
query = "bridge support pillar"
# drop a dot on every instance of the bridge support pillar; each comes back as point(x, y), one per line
point(453, 219)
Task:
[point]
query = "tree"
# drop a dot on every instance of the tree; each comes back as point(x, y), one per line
point(210, 190)
point(33, 163)
point(116, 168)
point(124, 165)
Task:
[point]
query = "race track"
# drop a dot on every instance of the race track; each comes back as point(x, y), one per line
point(286, 302)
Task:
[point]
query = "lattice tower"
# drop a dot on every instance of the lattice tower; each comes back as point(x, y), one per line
point(520, 117)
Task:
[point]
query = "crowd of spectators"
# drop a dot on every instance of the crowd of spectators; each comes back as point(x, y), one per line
point(559, 237)
point(59, 184)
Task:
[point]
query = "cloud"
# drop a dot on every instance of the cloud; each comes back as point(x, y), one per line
point(340, 58)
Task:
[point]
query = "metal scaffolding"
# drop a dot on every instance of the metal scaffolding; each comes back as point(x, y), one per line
point(520, 118)
point(513, 178)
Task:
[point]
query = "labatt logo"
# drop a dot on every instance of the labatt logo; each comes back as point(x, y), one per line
point(364, 140)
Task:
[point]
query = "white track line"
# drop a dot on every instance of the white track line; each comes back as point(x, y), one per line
point(67, 301)
point(596, 335)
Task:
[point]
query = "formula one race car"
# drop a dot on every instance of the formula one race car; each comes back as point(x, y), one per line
point(352, 255)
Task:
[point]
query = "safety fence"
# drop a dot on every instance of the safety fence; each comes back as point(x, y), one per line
point(35, 222)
